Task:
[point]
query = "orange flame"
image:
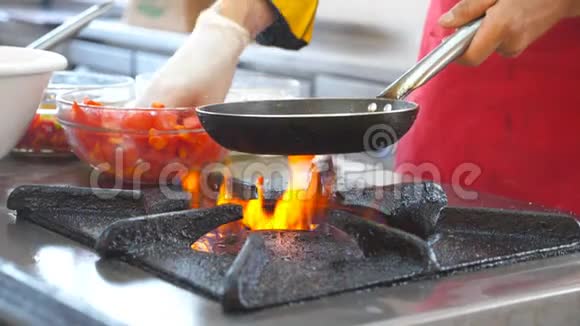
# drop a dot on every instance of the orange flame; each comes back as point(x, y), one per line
point(191, 184)
point(297, 207)
point(295, 210)
point(215, 241)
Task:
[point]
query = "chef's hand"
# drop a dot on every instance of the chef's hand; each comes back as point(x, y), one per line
point(201, 71)
point(509, 26)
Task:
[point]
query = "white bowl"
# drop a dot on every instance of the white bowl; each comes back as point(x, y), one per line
point(24, 74)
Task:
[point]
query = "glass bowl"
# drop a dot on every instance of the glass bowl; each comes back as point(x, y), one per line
point(45, 137)
point(136, 145)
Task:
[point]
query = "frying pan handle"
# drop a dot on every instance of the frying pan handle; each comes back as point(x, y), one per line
point(447, 52)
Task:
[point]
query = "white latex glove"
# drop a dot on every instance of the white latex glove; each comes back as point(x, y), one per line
point(201, 71)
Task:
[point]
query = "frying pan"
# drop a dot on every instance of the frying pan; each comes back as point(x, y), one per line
point(330, 125)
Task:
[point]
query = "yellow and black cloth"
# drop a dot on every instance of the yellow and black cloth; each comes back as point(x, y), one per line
point(293, 26)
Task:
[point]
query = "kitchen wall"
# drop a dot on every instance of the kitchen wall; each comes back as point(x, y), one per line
point(358, 46)
point(390, 30)
point(21, 1)
point(373, 12)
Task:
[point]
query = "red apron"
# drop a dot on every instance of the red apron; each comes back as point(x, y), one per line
point(515, 120)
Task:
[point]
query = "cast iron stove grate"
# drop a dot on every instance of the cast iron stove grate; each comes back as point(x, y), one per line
point(408, 233)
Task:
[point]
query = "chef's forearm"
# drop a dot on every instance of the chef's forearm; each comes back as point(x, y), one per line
point(575, 8)
point(254, 15)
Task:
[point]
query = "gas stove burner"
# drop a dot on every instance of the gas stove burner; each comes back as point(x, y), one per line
point(83, 213)
point(369, 237)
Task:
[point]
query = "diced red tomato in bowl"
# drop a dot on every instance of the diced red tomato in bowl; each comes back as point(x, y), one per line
point(144, 145)
point(44, 137)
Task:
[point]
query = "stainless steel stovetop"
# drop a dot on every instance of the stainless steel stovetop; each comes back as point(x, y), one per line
point(544, 292)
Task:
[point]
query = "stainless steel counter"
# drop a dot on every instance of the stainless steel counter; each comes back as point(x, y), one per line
point(545, 292)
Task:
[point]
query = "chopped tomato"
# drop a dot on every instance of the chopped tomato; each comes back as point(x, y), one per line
point(36, 121)
point(182, 151)
point(44, 134)
point(140, 144)
point(77, 114)
point(109, 152)
point(165, 121)
point(85, 117)
point(192, 123)
point(88, 101)
point(130, 155)
point(138, 121)
point(111, 120)
point(158, 142)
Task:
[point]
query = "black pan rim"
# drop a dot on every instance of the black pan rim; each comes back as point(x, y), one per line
point(206, 109)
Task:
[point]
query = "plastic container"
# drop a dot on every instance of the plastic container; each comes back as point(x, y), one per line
point(45, 137)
